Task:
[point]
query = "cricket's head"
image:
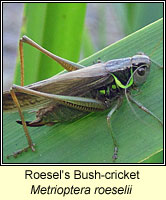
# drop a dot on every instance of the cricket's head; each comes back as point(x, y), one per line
point(141, 68)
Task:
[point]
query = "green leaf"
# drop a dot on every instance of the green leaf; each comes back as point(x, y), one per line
point(87, 140)
point(156, 158)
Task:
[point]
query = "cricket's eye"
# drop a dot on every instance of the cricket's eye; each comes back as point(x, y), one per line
point(141, 74)
point(141, 71)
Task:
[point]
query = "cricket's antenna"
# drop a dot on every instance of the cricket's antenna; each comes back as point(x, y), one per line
point(156, 46)
point(154, 49)
point(157, 64)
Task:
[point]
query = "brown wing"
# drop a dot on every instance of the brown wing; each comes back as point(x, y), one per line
point(75, 83)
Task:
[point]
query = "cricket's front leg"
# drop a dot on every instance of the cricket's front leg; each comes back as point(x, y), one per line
point(30, 143)
point(144, 109)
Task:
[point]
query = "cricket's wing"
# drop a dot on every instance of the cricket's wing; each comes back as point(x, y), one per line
point(26, 101)
point(76, 83)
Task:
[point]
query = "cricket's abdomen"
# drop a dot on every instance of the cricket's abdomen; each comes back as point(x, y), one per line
point(59, 113)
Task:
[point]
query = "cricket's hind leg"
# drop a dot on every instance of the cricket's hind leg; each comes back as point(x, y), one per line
point(29, 140)
point(16, 153)
point(66, 64)
point(71, 101)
